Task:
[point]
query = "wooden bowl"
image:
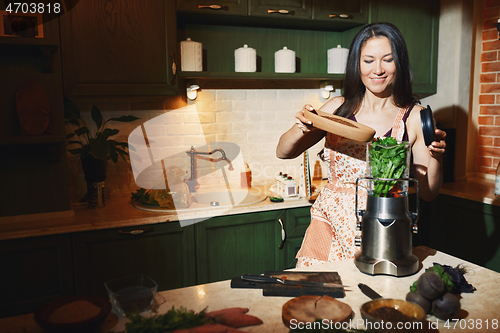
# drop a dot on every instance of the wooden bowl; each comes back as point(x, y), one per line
point(308, 308)
point(73, 314)
point(393, 312)
point(340, 126)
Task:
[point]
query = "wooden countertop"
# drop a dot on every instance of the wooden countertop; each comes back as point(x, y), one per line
point(479, 309)
point(118, 212)
point(476, 189)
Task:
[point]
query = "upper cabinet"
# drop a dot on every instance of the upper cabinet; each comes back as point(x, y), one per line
point(308, 27)
point(119, 48)
point(331, 15)
point(222, 7)
point(419, 24)
point(292, 9)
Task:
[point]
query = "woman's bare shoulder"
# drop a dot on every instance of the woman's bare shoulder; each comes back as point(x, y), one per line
point(332, 104)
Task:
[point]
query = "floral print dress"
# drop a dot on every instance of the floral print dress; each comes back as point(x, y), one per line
point(331, 234)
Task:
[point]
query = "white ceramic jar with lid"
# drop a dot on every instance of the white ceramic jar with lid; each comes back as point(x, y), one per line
point(284, 61)
point(337, 60)
point(191, 56)
point(245, 59)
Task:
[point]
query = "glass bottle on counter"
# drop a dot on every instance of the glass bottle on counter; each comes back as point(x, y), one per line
point(497, 182)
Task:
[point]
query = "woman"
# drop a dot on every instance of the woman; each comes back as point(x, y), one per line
point(377, 93)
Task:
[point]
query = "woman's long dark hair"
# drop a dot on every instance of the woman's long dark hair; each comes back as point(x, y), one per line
point(354, 89)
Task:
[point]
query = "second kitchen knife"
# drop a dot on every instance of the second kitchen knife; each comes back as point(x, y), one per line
point(369, 291)
point(273, 279)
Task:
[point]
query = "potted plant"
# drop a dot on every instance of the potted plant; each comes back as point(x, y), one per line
point(94, 147)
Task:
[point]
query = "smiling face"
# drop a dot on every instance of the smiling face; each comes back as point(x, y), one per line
point(377, 66)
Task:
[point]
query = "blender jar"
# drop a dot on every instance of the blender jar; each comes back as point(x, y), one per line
point(388, 163)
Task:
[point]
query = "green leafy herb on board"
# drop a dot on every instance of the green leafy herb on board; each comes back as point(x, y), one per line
point(168, 322)
point(143, 196)
point(388, 160)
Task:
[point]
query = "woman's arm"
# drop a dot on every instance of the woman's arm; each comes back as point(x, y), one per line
point(303, 135)
point(427, 161)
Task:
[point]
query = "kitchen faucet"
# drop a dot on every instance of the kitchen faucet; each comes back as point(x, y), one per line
point(192, 182)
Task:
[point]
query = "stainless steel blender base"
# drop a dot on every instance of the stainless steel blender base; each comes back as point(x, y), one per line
point(395, 267)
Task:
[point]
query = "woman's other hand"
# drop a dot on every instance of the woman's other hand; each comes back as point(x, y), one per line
point(437, 147)
point(304, 124)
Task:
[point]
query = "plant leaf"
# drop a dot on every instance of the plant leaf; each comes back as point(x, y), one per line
point(70, 135)
point(109, 132)
point(81, 131)
point(71, 111)
point(75, 142)
point(75, 151)
point(96, 116)
point(74, 122)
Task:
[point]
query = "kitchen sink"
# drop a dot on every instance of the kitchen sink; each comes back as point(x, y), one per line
point(213, 199)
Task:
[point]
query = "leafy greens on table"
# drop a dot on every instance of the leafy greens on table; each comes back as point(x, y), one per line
point(388, 160)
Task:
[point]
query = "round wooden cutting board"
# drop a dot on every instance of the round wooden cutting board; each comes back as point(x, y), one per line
point(33, 108)
point(308, 308)
point(340, 126)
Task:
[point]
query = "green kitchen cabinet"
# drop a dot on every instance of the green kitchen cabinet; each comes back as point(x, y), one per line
point(119, 48)
point(164, 252)
point(34, 271)
point(296, 222)
point(465, 229)
point(280, 9)
point(228, 246)
point(208, 7)
point(418, 21)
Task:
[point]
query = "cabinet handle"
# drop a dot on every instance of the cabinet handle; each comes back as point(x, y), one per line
point(283, 235)
point(341, 16)
point(174, 69)
point(136, 232)
point(281, 11)
point(214, 7)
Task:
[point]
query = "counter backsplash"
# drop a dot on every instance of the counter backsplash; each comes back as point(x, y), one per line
point(252, 119)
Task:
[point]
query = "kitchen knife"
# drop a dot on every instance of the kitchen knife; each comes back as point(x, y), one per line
point(369, 291)
point(273, 279)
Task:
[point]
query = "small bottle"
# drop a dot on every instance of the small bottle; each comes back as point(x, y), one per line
point(246, 177)
point(497, 182)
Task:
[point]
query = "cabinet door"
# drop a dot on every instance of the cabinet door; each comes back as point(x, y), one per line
point(418, 21)
point(296, 222)
point(34, 271)
point(222, 7)
point(281, 9)
point(119, 48)
point(164, 252)
point(353, 11)
point(229, 246)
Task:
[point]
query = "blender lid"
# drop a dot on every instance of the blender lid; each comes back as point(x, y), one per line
point(340, 126)
point(428, 125)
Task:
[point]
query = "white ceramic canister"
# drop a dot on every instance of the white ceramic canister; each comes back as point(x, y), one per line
point(337, 60)
point(284, 61)
point(191, 56)
point(245, 59)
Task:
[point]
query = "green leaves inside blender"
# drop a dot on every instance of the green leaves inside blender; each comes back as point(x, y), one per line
point(388, 160)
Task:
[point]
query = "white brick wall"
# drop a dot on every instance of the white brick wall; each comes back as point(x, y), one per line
point(252, 119)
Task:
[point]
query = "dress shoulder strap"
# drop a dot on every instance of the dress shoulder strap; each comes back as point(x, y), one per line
point(399, 126)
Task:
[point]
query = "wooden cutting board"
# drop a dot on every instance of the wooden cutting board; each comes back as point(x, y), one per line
point(274, 289)
point(307, 309)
